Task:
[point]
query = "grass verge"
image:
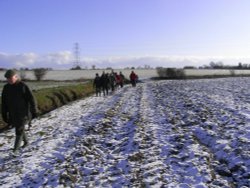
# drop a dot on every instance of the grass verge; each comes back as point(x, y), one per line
point(52, 98)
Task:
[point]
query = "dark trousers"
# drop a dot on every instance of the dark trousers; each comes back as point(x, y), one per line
point(105, 90)
point(20, 133)
point(133, 82)
point(98, 91)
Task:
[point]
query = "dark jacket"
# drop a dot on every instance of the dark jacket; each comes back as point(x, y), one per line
point(17, 102)
point(105, 80)
point(97, 82)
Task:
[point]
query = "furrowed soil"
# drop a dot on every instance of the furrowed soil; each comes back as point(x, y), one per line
point(181, 133)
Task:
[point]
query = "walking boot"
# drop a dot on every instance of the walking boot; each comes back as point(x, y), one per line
point(17, 143)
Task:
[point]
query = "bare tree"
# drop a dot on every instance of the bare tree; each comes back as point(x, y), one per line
point(39, 73)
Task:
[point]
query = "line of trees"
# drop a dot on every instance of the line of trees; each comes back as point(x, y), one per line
point(220, 65)
point(94, 67)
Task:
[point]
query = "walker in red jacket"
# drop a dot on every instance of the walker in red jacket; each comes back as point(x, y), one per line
point(133, 78)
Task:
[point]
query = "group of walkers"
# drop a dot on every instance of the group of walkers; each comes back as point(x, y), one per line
point(19, 105)
point(111, 81)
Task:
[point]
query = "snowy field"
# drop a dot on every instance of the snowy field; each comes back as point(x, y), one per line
point(61, 75)
point(85, 74)
point(189, 133)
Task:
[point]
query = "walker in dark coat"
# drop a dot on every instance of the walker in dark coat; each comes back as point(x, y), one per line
point(105, 83)
point(18, 106)
point(97, 84)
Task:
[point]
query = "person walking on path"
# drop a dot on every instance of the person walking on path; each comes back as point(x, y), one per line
point(112, 81)
point(18, 106)
point(117, 80)
point(133, 78)
point(122, 79)
point(97, 84)
point(105, 83)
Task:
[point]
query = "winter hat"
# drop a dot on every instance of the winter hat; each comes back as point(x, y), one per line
point(9, 73)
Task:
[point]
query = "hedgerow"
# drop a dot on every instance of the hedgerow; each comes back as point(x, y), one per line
point(52, 98)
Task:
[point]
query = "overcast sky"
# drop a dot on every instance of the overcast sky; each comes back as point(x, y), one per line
point(121, 33)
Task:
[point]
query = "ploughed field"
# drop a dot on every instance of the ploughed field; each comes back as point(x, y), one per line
point(175, 133)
